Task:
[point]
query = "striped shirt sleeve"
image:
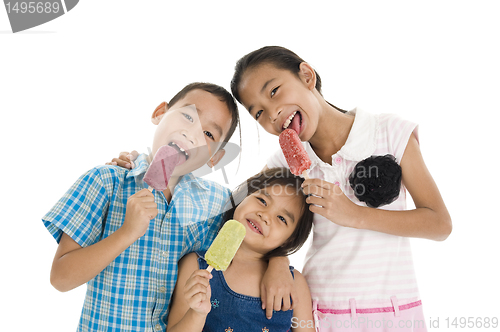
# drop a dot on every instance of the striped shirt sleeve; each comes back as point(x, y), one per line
point(80, 213)
point(215, 222)
point(398, 134)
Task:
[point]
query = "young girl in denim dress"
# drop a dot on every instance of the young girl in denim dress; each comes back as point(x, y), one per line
point(272, 207)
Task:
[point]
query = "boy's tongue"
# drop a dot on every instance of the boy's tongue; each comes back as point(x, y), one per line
point(295, 124)
point(181, 157)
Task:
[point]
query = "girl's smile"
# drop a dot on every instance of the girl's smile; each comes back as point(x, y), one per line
point(278, 99)
point(254, 226)
point(270, 216)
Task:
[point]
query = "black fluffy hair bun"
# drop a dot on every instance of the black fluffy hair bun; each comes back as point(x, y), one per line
point(376, 180)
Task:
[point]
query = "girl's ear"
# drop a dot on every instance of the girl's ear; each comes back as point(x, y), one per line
point(307, 75)
point(158, 113)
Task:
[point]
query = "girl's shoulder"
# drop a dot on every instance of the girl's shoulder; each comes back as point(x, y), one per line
point(394, 123)
point(393, 134)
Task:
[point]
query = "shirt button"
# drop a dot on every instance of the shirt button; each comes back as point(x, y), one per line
point(158, 327)
point(163, 289)
point(164, 254)
point(338, 160)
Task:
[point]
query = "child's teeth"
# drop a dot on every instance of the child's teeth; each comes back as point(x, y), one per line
point(254, 225)
point(287, 122)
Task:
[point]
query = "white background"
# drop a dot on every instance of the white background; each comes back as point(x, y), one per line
point(76, 91)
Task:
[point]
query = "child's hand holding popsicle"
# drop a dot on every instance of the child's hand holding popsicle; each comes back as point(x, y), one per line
point(220, 254)
point(141, 208)
point(197, 292)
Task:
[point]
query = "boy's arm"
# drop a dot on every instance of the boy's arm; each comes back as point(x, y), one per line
point(278, 287)
point(181, 316)
point(74, 265)
point(302, 312)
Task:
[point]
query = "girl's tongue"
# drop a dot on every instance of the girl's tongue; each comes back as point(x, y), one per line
point(295, 124)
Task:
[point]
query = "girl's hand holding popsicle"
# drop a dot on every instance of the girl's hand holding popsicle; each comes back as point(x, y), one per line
point(197, 292)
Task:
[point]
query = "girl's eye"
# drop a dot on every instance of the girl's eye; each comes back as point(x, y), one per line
point(209, 134)
point(187, 116)
point(258, 115)
point(262, 201)
point(273, 91)
point(282, 219)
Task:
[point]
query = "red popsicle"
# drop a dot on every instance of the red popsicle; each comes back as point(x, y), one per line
point(295, 154)
point(162, 167)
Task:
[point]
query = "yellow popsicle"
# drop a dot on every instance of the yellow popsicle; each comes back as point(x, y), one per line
point(221, 252)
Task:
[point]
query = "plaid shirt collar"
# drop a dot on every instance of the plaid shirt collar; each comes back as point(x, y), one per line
point(142, 165)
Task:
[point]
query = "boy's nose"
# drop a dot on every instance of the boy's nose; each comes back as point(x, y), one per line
point(189, 137)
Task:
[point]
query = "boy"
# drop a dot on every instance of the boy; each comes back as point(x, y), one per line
point(125, 241)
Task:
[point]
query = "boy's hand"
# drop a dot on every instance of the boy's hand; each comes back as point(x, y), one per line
point(277, 290)
point(197, 292)
point(125, 160)
point(141, 208)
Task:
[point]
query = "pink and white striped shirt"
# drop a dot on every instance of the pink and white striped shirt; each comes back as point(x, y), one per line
point(345, 263)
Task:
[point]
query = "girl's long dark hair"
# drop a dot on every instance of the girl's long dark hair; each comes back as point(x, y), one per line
point(276, 176)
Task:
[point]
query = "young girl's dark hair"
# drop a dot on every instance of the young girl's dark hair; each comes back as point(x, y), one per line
point(277, 56)
point(283, 177)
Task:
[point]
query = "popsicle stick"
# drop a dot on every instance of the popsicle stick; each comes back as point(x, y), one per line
point(305, 175)
point(209, 268)
point(150, 189)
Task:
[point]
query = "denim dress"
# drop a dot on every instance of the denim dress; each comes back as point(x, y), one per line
point(234, 312)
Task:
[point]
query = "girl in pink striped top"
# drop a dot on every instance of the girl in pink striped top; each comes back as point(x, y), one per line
point(359, 267)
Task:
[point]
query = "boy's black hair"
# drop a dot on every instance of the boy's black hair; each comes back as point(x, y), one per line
point(223, 96)
point(276, 176)
point(277, 56)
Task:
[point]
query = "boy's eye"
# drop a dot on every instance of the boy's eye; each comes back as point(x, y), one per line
point(209, 134)
point(258, 115)
point(262, 201)
point(187, 116)
point(282, 219)
point(273, 91)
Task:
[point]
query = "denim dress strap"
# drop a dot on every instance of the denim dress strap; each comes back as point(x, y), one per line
point(233, 312)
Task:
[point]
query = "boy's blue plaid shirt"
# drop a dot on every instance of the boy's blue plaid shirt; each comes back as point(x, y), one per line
point(133, 292)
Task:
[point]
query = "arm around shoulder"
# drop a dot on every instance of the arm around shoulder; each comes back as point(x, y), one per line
point(303, 319)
